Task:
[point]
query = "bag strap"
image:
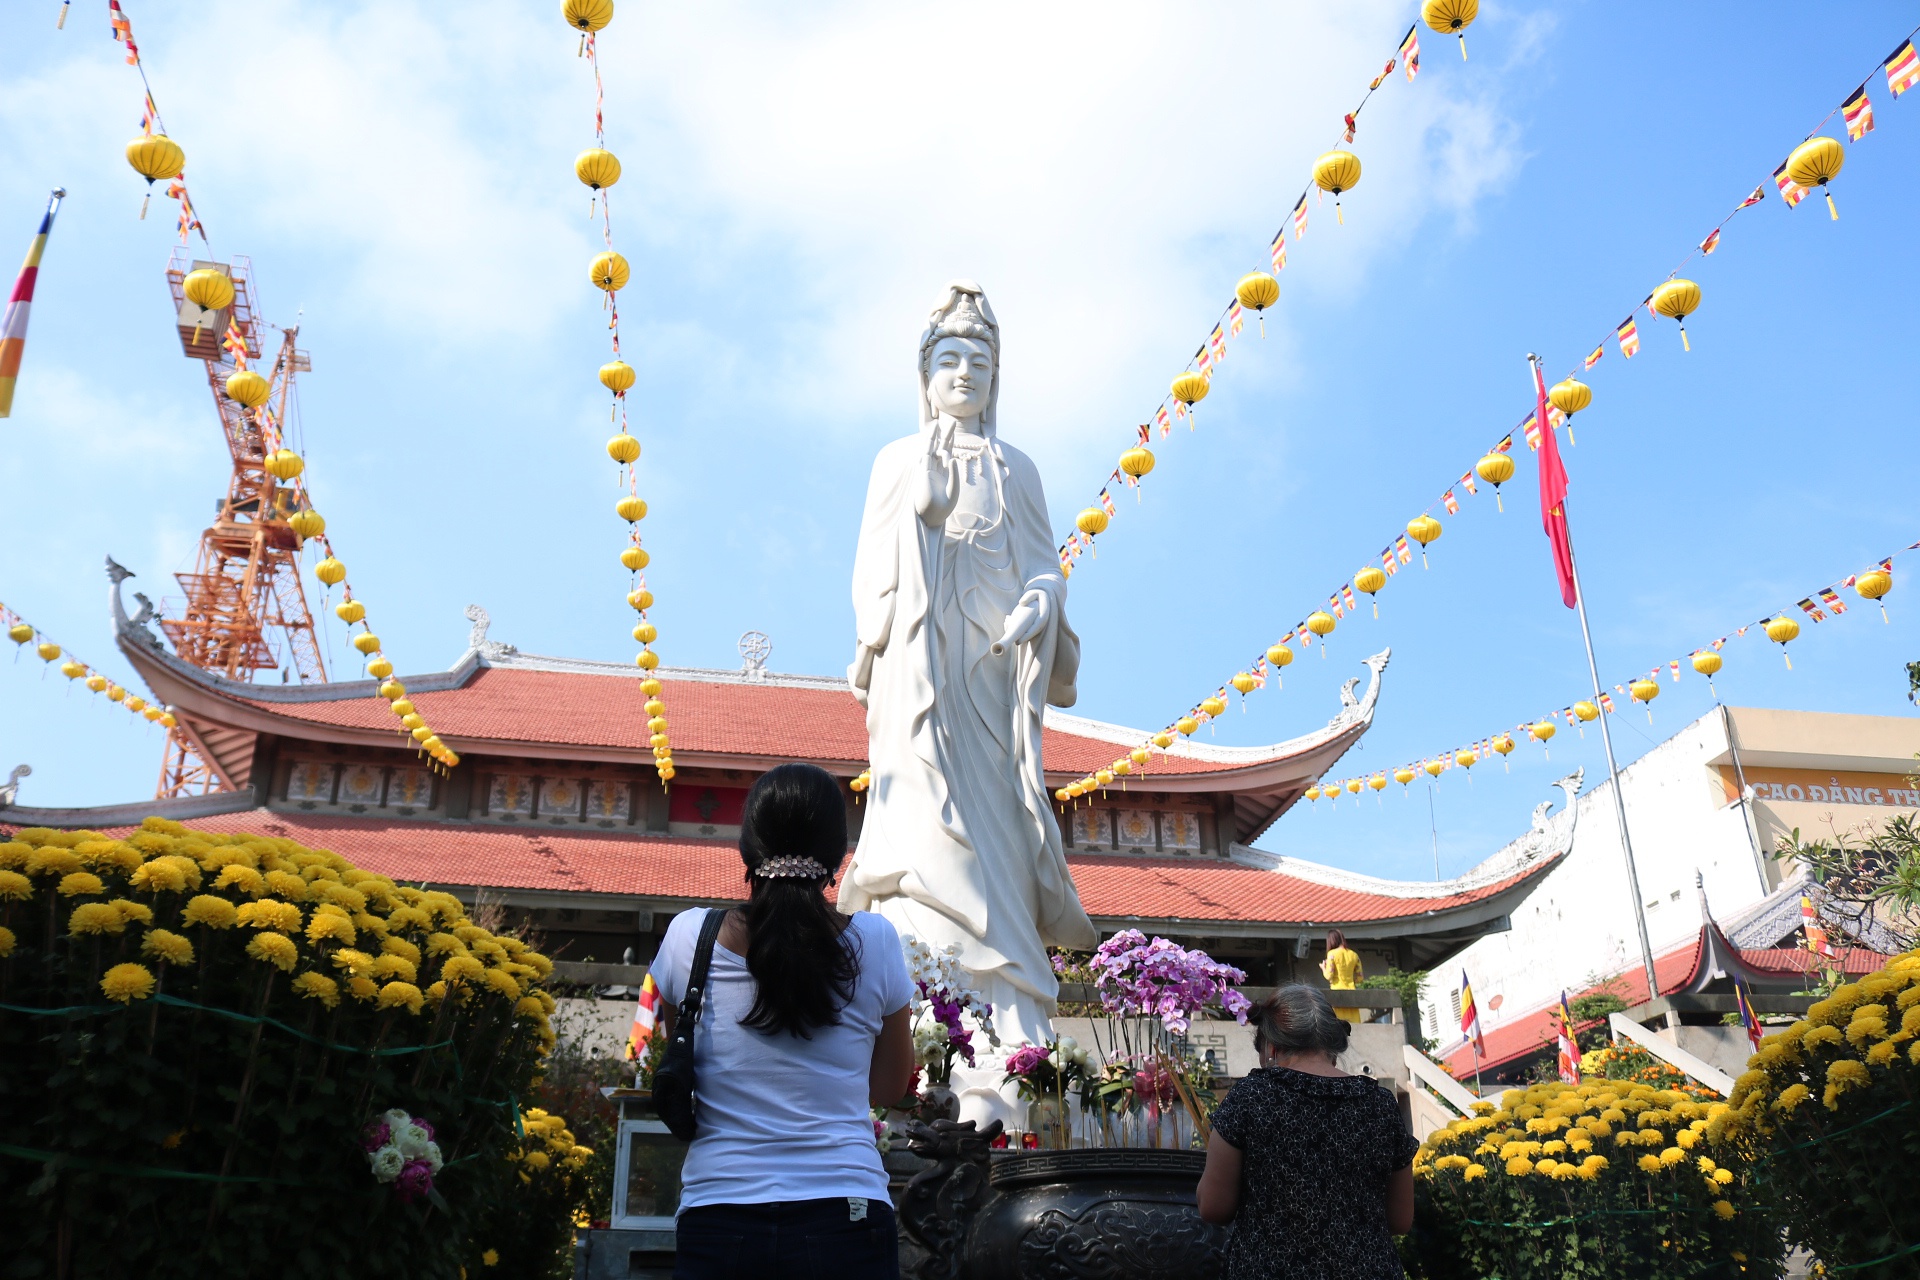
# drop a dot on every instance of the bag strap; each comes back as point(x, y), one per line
point(690, 1003)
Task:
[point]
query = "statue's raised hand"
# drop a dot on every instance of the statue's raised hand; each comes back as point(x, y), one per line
point(1028, 621)
point(937, 488)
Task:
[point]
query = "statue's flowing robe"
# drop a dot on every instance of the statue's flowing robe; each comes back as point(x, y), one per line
point(959, 842)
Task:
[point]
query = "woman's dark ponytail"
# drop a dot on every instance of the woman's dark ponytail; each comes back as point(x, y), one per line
point(799, 950)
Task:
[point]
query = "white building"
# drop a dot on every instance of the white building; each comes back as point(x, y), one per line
point(1817, 772)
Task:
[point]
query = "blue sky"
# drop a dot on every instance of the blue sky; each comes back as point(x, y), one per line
point(800, 182)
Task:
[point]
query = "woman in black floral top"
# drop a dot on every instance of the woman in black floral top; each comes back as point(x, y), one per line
point(1311, 1164)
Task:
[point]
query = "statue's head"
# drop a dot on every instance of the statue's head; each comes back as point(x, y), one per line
point(960, 357)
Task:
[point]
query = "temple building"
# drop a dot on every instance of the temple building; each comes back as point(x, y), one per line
point(554, 809)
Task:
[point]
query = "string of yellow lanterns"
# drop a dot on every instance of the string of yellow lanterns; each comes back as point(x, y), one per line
point(1871, 584)
point(1336, 172)
point(599, 169)
point(153, 155)
point(49, 651)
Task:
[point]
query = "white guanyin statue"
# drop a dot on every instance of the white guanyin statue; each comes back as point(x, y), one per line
point(963, 640)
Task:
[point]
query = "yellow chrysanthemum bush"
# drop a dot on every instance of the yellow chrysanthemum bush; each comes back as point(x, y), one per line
point(1607, 1178)
point(1831, 1110)
point(200, 1031)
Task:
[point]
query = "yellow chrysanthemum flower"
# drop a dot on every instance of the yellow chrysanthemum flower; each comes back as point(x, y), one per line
point(402, 948)
point(341, 895)
point(1672, 1156)
point(543, 967)
point(1723, 1208)
point(437, 992)
point(368, 923)
point(1650, 1164)
point(329, 927)
point(1883, 1053)
point(410, 918)
point(159, 877)
point(95, 918)
point(362, 988)
point(401, 995)
point(490, 1259)
point(1475, 1171)
point(270, 913)
point(318, 986)
point(54, 861)
point(14, 887)
point(1723, 1177)
point(215, 913)
point(462, 969)
point(1519, 1167)
point(127, 982)
point(1687, 1138)
point(537, 1159)
point(385, 966)
point(1844, 1075)
point(167, 947)
point(276, 949)
point(244, 878)
point(504, 983)
point(7, 941)
point(80, 884)
point(14, 854)
point(132, 912)
point(287, 885)
point(357, 963)
point(1859, 1031)
point(528, 1007)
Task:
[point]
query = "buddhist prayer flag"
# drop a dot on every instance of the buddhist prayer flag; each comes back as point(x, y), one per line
point(1217, 343)
point(1279, 251)
point(13, 327)
point(1387, 561)
point(1466, 482)
point(1402, 550)
point(1106, 502)
point(1553, 494)
point(1300, 219)
point(1452, 503)
point(1346, 594)
point(1236, 320)
point(1903, 68)
point(1790, 191)
point(1629, 335)
point(1165, 420)
point(123, 31)
point(1203, 361)
point(645, 1015)
point(1743, 1001)
point(1712, 241)
point(1857, 111)
point(1569, 1054)
point(1470, 1018)
point(1350, 126)
point(1759, 194)
point(1594, 358)
point(1384, 73)
point(1606, 703)
point(1816, 935)
point(1812, 611)
point(1832, 601)
point(1675, 664)
point(1410, 52)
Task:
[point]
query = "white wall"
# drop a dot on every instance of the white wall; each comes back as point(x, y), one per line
point(1578, 923)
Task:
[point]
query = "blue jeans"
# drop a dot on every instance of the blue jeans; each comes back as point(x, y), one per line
point(791, 1240)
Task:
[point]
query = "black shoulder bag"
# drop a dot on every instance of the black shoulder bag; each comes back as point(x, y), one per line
point(673, 1081)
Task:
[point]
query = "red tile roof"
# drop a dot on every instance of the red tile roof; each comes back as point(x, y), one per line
point(775, 721)
point(1112, 887)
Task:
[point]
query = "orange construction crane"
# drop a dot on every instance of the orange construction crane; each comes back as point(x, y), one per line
point(244, 610)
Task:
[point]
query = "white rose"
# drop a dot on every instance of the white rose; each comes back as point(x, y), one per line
point(432, 1157)
point(387, 1163)
point(396, 1117)
point(412, 1141)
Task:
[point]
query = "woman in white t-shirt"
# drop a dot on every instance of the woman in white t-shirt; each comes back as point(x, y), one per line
point(804, 1027)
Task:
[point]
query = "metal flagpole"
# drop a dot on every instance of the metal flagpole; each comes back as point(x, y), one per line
point(1613, 767)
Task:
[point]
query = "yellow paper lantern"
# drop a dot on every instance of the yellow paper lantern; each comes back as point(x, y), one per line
point(421, 734)
point(1280, 655)
point(1353, 786)
point(167, 720)
point(1465, 758)
point(330, 571)
point(1163, 740)
point(1062, 795)
point(1321, 623)
point(47, 650)
point(135, 704)
point(1423, 529)
point(1403, 775)
point(394, 692)
point(1337, 171)
point(1378, 782)
point(412, 721)
point(1645, 690)
point(1139, 755)
point(597, 167)
point(1706, 662)
point(634, 558)
point(433, 744)
point(207, 289)
point(72, 670)
point(1815, 163)
point(623, 448)
point(650, 686)
point(659, 740)
point(248, 389)
point(1258, 290)
point(1503, 743)
point(152, 713)
point(1243, 681)
point(1190, 389)
point(1874, 585)
point(617, 376)
point(1312, 792)
point(307, 523)
point(646, 660)
point(96, 683)
point(609, 271)
point(647, 633)
point(1122, 767)
point(380, 668)
point(1782, 630)
point(1093, 520)
point(1186, 725)
point(400, 707)
point(1543, 732)
point(1586, 711)
point(1496, 469)
point(641, 599)
point(350, 611)
point(19, 633)
point(587, 15)
point(284, 464)
point(1453, 16)
point(1370, 579)
point(631, 509)
point(655, 707)
point(1678, 299)
point(366, 642)
point(1103, 776)
point(1137, 461)
point(1434, 768)
point(115, 693)
point(1213, 706)
point(155, 156)
point(1570, 397)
